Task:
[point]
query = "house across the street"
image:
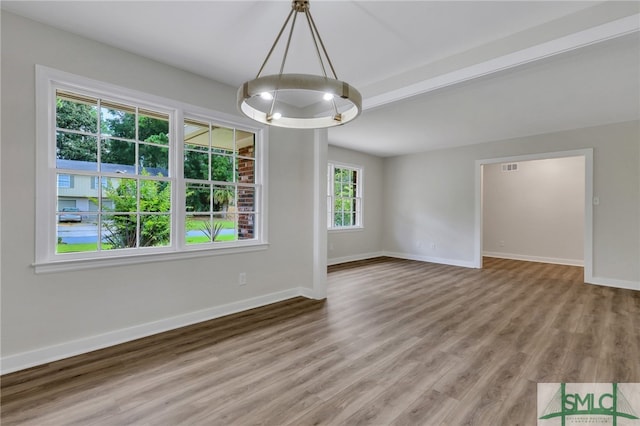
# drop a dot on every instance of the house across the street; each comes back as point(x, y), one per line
point(81, 191)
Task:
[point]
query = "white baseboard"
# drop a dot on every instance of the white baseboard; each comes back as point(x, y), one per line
point(614, 282)
point(440, 260)
point(309, 293)
point(44, 355)
point(554, 260)
point(353, 258)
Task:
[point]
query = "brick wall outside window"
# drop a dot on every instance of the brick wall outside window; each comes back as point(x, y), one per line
point(246, 195)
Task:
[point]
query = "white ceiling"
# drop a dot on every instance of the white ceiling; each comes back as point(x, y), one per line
point(432, 74)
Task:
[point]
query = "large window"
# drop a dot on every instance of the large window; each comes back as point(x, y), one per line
point(345, 197)
point(143, 175)
point(125, 148)
point(221, 190)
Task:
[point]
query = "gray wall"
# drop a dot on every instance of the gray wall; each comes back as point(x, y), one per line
point(347, 245)
point(536, 212)
point(68, 310)
point(430, 197)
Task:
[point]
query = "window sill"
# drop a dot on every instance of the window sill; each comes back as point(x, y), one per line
point(345, 229)
point(64, 265)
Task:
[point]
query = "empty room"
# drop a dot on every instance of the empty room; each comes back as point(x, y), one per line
point(320, 212)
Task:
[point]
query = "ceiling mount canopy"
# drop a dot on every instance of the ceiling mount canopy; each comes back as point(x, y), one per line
point(300, 101)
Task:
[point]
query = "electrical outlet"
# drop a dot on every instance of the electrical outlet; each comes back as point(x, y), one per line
point(433, 246)
point(501, 243)
point(242, 278)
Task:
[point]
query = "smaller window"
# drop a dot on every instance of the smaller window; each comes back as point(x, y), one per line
point(345, 197)
point(94, 183)
point(65, 181)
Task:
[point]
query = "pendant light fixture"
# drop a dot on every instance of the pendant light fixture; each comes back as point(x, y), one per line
point(300, 101)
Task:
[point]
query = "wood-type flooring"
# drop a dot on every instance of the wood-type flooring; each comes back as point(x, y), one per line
point(397, 342)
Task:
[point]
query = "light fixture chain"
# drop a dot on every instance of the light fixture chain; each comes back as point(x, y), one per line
point(275, 43)
point(273, 103)
point(322, 44)
point(315, 42)
point(286, 49)
point(335, 107)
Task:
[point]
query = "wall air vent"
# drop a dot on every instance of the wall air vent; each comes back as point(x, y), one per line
point(510, 167)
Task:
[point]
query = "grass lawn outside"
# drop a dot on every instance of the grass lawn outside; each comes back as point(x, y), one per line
point(197, 224)
point(204, 239)
point(74, 248)
point(192, 225)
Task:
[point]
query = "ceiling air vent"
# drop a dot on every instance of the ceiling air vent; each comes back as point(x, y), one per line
point(510, 167)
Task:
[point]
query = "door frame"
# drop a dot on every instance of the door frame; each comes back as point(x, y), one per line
point(588, 200)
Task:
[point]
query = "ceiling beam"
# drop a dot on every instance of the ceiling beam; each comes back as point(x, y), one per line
point(597, 34)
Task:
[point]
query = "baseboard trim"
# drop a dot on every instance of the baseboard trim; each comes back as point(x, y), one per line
point(353, 258)
point(613, 282)
point(48, 354)
point(430, 259)
point(309, 293)
point(554, 260)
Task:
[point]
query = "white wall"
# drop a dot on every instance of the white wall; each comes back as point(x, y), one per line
point(536, 212)
point(430, 197)
point(47, 316)
point(348, 245)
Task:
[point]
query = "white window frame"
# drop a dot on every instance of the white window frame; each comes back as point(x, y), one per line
point(49, 80)
point(359, 225)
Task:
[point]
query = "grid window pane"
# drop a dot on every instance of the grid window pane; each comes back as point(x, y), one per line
point(120, 195)
point(209, 228)
point(196, 135)
point(75, 112)
point(155, 196)
point(153, 160)
point(222, 140)
point(155, 230)
point(222, 168)
point(197, 229)
point(246, 226)
point(118, 231)
point(246, 199)
point(246, 170)
point(196, 165)
point(225, 227)
point(77, 148)
point(117, 156)
point(245, 144)
point(153, 127)
point(224, 197)
point(118, 121)
point(73, 238)
point(198, 197)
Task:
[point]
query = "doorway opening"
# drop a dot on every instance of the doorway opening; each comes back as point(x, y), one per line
point(508, 212)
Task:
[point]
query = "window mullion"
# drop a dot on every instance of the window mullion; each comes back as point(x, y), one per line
point(99, 190)
point(136, 149)
point(178, 187)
